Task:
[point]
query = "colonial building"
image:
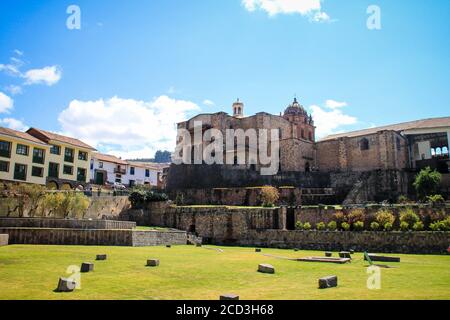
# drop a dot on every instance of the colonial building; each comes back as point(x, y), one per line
point(23, 158)
point(372, 164)
point(106, 168)
point(68, 159)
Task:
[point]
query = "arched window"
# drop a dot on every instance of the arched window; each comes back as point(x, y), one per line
point(444, 150)
point(364, 144)
point(438, 151)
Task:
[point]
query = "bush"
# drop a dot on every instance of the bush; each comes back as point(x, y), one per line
point(345, 226)
point(65, 204)
point(339, 217)
point(356, 215)
point(427, 182)
point(140, 197)
point(358, 226)
point(437, 226)
point(321, 226)
point(307, 226)
point(384, 216)
point(137, 198)
point(299, 225)
point(269, 196)
point(435, 199)
point(388, 226)
point(402, 199)
point(418, 226)
point(151, 196)
point(404, 226)
point(409, 216)
point(332, 225)
point(375, 226)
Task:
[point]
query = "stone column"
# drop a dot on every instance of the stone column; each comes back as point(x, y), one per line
point(282, 213)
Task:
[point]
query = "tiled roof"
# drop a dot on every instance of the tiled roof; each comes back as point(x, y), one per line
point(149, 165)
point(64, 139)
point(418, 124)
point(108, 158)
point(20, 135)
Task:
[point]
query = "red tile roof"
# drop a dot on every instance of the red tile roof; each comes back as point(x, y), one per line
point(20, 135)
point(108, 158)
point(47, 135)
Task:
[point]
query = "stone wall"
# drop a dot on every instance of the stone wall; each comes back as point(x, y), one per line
point(387, 150)
point(85, 237)
point(377, 242)
point(99, 207)
point(4, 239)
point(65, 223)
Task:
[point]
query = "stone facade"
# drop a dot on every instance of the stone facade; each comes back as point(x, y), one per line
point(83, 237)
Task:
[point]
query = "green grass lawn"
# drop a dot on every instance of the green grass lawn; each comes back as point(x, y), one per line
point(188, 272)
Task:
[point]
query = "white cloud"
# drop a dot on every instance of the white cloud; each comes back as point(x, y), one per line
point(13, 89)
point(330, 121)
point(47, 75)
point(13, 124)
point(6, 103)
point(310, 8)
point(333, 104)
point(18, 52)
point(126, 127)
point(208, 103)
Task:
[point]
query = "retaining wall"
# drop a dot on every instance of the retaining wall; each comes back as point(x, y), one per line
point(65, 223)
point(85, 237)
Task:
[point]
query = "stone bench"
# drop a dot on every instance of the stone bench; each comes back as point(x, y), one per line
point(266, 268)
point(345, 254)
point(229, 296)
point(101, 257)
point(328, 254)
point(375, 257)
point(66, 285)
point(4, 239)
point(152, 263)
point(328, 282)
point(87, 267)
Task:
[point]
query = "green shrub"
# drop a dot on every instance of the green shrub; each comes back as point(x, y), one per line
point(321, 226)
point(384, 216)
point(358, 226)
point(388, 226)
point(269, 196)
point(137, 198)
point(140, 197)
point(402, 199)
point(345, 226)
point(151, 196)
point(435, 199)
point(339, 217)
point(307, 226)
point(437, 226)
point(445, 224)
point(404, 226)
point(409, 216)
point(375, 226)
point(418, 226)
point(332, 225)
point(427, 182)
point(299, 225)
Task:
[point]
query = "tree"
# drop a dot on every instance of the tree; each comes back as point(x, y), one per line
point(163, 156)
point(269, 196)
point(427, 183)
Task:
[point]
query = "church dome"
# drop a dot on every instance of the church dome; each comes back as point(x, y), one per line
point(295, 109)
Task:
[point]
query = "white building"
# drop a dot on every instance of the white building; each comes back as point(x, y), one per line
point(109, 169)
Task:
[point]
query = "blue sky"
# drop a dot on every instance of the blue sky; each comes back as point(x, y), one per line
point(137, 67)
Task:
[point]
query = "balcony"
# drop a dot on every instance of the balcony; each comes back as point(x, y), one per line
point(120, 170)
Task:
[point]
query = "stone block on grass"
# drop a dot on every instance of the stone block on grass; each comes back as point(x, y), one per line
point(101, 257)
point(168, 246)
point(87, 267)
point(229, 296)
point(345, 254)
point(266, 268)
point(257, 250)
point(65, 285)
point(152, 263)
point(328, 254)
point(4, 239)
point(328, 282)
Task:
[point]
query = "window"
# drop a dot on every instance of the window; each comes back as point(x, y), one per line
point(147, 173)
point(82, 155)
point(22, 150)
point(81, 175)
point(132, 171)
point(53, 170)
point(68, 155)
point(20, 172)
point(364, 144)
point(4, 166)
point(55, 150)
point(37, 172)
point(132, 183)
point(5, 149)
point(38, 155)
point(399, 145)
point(310, 136)
point(68, 170)
point(100, 165)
